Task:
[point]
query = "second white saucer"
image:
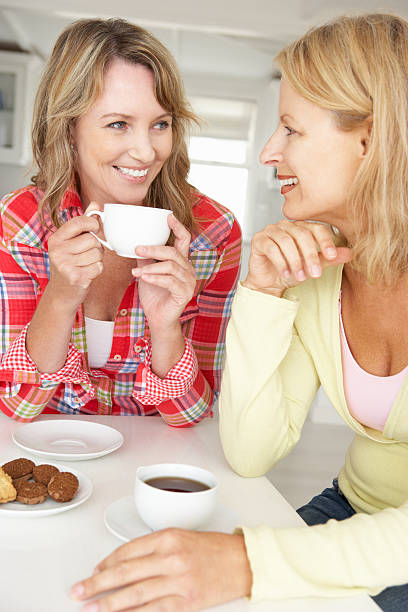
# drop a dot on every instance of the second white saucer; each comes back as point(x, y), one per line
point(121, 519)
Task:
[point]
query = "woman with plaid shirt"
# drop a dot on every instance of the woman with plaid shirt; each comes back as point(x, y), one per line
point(84, 330)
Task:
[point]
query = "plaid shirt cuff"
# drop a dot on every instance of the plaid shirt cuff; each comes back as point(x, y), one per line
point(151, 389)
point(17, 366)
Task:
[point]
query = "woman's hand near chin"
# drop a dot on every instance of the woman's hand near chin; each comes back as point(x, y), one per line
point(287, 253)
point(172, 570)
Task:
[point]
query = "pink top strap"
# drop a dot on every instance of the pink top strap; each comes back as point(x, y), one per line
point(369, 398)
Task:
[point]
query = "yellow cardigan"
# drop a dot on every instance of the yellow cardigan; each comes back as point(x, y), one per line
point(279, 351)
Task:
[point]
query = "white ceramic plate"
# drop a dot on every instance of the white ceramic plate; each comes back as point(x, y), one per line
point(121, 519)
point(18, 510)
point(69, 440)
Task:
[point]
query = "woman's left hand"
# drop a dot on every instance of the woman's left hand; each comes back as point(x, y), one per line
point(167, 285)
point(174, 570)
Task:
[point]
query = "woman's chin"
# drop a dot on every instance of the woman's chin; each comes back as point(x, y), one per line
point(291, 215)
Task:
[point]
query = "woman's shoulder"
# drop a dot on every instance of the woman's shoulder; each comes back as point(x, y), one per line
point(19, 210)
point(216, 224)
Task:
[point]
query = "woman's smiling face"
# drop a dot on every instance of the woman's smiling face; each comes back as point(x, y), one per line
point(320, 159)
point(124, 139)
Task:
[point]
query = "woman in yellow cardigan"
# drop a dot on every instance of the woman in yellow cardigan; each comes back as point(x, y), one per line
point(315, 309)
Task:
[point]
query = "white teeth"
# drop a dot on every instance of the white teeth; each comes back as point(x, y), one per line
point(131, 172)
point(289, 181)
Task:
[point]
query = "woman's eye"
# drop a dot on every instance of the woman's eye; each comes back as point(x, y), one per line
point(162, 125)
point(289, 130)
point(118, 125)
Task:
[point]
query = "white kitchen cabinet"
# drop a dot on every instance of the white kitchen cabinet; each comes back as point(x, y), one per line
point(19, 75)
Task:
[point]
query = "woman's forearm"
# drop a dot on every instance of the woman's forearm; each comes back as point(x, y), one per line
point(49, 333)
point(167, 349)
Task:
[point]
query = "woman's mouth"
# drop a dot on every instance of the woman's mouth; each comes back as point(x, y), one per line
point(287, 183)
point(132, 174)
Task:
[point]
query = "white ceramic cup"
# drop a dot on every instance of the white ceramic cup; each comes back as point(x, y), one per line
point(127, 226)
point(160, 509)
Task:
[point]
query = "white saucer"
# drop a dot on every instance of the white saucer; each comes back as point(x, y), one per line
point(18, 510)
point(121, 519)
point(70, 440)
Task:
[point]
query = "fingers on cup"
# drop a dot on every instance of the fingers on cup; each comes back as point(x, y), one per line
point(89, 257)
point(172, 284)
point(90, 272)
point(83, 243)
point(163, 253)
point(78, 225)
point(182, 235)
point(170, 268)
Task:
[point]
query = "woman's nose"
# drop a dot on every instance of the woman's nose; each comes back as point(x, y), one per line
point(270, 154)
point(141, 148)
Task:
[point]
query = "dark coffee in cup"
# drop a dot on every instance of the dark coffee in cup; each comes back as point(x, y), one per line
point(159, 498)
point(177, 484)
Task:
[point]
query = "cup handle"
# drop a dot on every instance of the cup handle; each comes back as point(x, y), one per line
point(100, 214)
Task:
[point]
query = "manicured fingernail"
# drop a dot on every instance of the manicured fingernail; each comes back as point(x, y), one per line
point(77, 591)
point(301, 275)
point(316, 270)
point(92, 607)
point(286, 274)
point(141, 249)
point(331, 253)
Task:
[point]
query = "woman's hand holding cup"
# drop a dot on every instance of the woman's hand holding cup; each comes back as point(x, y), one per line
point(166, 278)
point(75, 259)
point(287, 253)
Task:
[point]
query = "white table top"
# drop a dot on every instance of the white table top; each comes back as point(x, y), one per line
point(42, 558)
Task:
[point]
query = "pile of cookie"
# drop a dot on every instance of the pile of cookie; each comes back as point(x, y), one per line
point(23, 481)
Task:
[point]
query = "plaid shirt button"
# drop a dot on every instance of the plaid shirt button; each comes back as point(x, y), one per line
point(137, 348)
point(77, 400)
point(117, 357)
point(123, 312)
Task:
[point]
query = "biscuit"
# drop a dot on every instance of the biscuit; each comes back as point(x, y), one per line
point(7, 490)
point(19, 468)
point(31, 492)
point(44, 472)
point(63, 486)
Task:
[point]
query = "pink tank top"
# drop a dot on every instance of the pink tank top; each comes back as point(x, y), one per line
point(369, 398)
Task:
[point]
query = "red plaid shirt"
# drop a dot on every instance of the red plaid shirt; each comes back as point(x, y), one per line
point(126, 384)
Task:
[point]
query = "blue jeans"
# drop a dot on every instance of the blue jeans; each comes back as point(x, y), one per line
point(331, 503)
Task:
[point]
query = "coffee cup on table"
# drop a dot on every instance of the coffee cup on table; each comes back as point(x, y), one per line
point(175, 495)
point(128, 226)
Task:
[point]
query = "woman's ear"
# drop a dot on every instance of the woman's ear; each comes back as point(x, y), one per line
point(72, 135)
point(365, 135)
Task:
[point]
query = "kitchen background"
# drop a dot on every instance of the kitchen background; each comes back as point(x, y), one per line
point(225, 51)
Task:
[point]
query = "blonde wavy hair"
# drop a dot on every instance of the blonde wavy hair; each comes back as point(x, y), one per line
point(357, 67)
point(72, 81)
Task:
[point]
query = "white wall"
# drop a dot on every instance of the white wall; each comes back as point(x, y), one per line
point(12, 177)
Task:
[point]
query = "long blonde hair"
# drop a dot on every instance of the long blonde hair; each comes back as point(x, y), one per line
point(357, 67)
point(73, 79)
